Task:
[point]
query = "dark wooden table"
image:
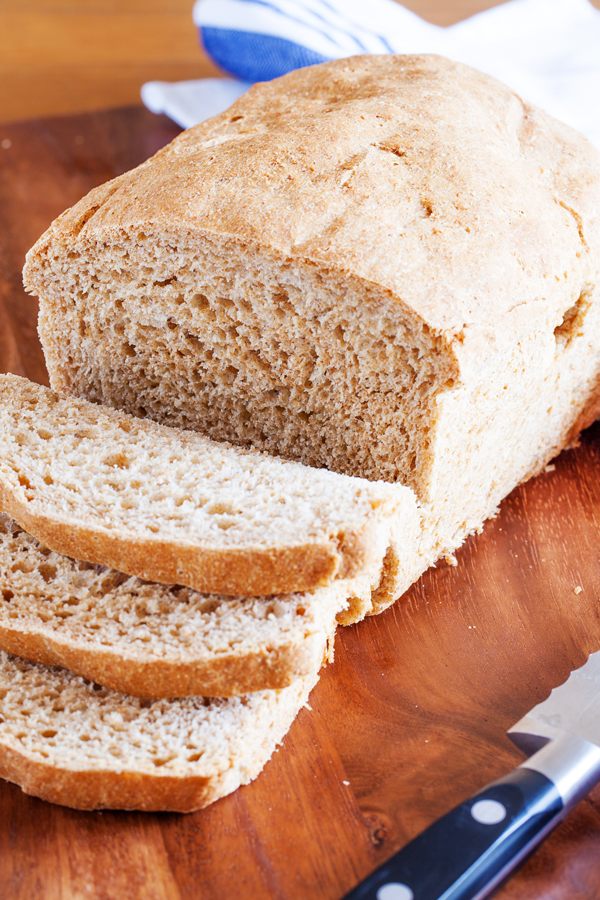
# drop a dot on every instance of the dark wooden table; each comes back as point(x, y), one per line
point(409, 720)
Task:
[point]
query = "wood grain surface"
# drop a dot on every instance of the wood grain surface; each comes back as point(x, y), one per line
point(59, 56)
point(408, 721)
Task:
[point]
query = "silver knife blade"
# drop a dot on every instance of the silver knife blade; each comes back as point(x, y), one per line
point(563, 734)
point(573, 707)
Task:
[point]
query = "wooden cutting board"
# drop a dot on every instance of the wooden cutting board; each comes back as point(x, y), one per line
point(408, 721)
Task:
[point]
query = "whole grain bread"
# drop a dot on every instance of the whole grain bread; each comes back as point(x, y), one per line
point(384, 265)
point(70, 741)
point(174, 507)
point(152, 640)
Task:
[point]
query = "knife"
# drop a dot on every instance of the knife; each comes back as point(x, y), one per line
point(467, 853)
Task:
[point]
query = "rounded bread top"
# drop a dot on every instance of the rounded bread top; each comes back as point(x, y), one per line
point(475, 211)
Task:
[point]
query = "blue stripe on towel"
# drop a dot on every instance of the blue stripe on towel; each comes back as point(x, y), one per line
point(256, 57)
point(325, 27)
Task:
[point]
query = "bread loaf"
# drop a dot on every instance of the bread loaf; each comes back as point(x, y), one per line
point(153, 640)
point(70, 741)
point(177, 508)
point(384, 265)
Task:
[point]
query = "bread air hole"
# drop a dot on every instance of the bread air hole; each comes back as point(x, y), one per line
point(22, 565)
point(199, 301)
point(225, 524)
point(117, 461)
point(571, 325)
point(48, 572)
point(162, 761)
point(222, 509)
point(61, 614)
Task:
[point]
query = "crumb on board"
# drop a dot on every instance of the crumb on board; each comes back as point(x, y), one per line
point(577, 590)
point(550, 468)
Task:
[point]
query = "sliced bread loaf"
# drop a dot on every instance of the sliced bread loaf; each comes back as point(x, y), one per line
point(174, 507)
point(73, 742)
point(153, 640)
point(385, 265)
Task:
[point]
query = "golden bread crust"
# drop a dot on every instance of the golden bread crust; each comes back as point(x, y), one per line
point(409, 172)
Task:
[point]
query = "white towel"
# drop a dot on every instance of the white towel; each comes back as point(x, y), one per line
point(546, 50)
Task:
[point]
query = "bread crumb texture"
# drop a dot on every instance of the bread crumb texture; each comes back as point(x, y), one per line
point(174, 506)
point(155, 640)
point(70, 741)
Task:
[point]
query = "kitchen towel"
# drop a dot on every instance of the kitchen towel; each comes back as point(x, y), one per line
point(546, 50)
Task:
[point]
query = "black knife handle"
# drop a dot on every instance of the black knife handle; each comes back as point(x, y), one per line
point(469, 851)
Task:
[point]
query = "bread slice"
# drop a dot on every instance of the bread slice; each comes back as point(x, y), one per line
point(385, 265)
point(154, 640)
point(175, 507)
point(70, 741)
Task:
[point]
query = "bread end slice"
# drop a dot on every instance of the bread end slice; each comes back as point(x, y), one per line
point(69, 741)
